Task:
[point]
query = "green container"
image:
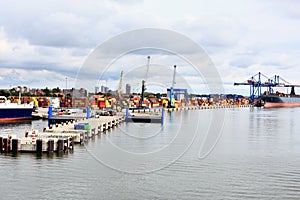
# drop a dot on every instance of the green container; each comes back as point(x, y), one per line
point(87, 127)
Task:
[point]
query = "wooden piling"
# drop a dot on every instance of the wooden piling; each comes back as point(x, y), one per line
point(14, 145)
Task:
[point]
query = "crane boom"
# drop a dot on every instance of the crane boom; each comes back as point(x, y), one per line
point(174, 75)
point(148, 65)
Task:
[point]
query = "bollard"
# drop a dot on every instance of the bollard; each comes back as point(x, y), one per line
point(81, 138)
point(71, 146)
point(73, 142)
point(60, 145)
point(1, 144)
point(5, 145)
point(15, 145)
point(66, 146)
point(127, 112)
point(162, 116)
point(49, 115)
point(50, 148)
point(86, 137)
point(104, 127)
point(39, 146)
point(88, 112)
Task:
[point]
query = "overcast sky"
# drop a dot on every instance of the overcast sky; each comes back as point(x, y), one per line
point(43, 42)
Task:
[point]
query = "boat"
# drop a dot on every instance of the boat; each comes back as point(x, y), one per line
point(278, 100)
point(13, 111)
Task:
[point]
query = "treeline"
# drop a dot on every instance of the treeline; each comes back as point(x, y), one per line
point(55, 92)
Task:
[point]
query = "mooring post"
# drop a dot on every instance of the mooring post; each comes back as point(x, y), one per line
point(88, 112)
point(127, 112)
point(162, 116)
point(49, 115)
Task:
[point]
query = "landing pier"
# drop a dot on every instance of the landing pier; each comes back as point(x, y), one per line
point(60, 137)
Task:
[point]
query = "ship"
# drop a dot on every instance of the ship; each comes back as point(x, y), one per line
point(13, 111)
point(278, 100)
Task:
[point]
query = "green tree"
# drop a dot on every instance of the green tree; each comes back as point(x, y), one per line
point(4, 93)
point(46, 92)
point(27, 94)
point(13, 92)
point(56, 90)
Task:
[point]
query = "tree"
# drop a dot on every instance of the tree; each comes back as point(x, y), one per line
point(149, 94)
point(4, 93)
point(158, 95)
point(13, 92)
point(46, 92)
point(27, 94)
point(56, 90)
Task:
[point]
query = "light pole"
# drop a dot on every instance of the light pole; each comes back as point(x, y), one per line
point(66, 104)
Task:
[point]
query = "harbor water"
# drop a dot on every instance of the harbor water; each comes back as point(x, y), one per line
point(244, 153)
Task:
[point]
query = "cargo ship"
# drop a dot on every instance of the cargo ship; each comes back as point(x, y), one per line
point(13, 111)
point(277, 100)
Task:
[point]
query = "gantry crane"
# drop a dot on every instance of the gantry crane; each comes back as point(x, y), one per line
point(256, 84)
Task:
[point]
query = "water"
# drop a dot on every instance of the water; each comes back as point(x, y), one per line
point(256, 157)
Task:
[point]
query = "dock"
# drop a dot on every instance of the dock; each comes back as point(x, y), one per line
point(156, 115)
point(144, 116)
point(63, 135)
point(59, 137)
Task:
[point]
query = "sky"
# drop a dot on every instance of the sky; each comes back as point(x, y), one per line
point(50, 43)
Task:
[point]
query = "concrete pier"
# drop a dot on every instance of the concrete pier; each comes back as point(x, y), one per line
point(59, 137)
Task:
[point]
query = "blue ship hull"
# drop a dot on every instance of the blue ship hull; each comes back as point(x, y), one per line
point(15, 113)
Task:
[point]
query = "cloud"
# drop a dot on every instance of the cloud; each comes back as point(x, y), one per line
point(241, 37)
point(32, 78)
point(18, 53)
point(59, 30)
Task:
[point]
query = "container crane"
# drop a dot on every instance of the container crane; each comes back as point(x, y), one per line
point(256, 84)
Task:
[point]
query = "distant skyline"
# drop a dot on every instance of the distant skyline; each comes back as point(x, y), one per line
point(43, 42)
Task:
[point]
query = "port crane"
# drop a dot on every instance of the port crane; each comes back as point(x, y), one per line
point(120, 85)
point(171, 102)
point(143, 84)
point(256, 84)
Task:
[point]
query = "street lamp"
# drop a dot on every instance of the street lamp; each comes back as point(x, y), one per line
point(66, 99)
